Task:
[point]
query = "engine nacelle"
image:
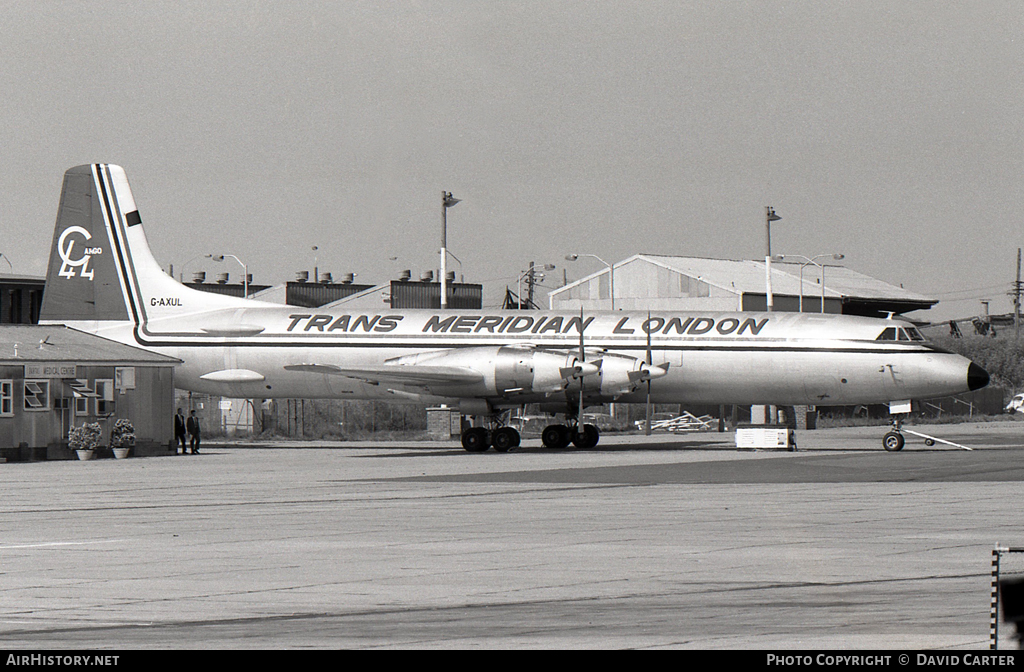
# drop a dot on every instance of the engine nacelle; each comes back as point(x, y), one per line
point(507, 371)
point(531, 371)
point(511, 372)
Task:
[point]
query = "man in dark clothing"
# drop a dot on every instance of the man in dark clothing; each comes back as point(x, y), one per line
point(179, 433)
point(192, 425)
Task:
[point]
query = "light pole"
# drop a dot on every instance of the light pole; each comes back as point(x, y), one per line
point(447, 201)
point(8, 262)
point(245, 269)
point(769, 217)
point(811, 261)
point(611, 272)
point(181, 271)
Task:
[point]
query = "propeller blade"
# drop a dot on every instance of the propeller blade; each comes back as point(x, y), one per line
point(647, 418)
point(647, 408)
point(583, 358)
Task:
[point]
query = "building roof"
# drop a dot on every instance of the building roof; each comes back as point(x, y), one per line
point(22, 279)
point(748, 277)
point(24, 343)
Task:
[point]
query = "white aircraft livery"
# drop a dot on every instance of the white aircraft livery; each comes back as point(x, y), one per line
point(103, 279)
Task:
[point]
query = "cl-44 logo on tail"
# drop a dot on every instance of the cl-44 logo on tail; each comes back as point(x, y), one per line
point(65, 247)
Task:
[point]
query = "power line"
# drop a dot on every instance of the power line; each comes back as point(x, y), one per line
point(973, 289)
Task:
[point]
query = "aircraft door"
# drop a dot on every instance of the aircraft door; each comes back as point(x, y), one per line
point(892, 380)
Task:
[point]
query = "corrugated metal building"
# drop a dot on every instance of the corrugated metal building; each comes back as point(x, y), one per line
point(222, 286)
point(20, 299)
point(55, 377)
point(428, 295)
point(655, 282)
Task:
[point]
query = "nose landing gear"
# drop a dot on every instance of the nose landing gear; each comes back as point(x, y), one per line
point(893, 441)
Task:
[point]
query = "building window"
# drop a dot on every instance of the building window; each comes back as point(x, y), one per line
point(105, 396)
point(82, 391)
point(37, 395)
point(6, 398)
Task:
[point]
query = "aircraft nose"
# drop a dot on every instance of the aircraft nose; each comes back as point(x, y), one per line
point(977, 377)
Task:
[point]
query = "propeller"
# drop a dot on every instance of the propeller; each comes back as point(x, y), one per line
point(647, 418)
point(583, 359)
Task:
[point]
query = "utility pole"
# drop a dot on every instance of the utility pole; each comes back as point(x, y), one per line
point(1016, 300)
point(529, 287)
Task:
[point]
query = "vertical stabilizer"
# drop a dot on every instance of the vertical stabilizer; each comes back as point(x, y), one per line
point(101, 268)
point(82, 282)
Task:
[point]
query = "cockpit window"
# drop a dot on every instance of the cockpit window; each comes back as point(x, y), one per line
point(914, 334)
point(900, 334)
point(888, 335)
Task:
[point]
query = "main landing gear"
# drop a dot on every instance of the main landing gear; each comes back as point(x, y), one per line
point(504, 438)
point(479, 439)
point(560, 436)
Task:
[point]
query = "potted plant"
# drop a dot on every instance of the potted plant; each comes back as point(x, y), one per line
point(83, 440)
point(122, 438)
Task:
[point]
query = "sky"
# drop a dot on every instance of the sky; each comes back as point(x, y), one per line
point(890, 132)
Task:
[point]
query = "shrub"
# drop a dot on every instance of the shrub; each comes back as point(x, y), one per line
point(123, 434)
point(86, 437)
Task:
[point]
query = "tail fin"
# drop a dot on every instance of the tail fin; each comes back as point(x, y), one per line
point(101, 267)
point(82, 282)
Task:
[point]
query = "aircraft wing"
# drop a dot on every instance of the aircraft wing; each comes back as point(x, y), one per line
point(406, 374)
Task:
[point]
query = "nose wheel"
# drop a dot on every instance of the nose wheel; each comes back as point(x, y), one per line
point(893, 441)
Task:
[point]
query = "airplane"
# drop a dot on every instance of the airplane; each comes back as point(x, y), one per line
point(103, 279)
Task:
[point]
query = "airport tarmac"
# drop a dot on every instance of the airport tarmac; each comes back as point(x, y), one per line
point(669, 541)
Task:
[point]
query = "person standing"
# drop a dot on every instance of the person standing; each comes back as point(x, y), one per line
point(192, 425)
point(179, 433)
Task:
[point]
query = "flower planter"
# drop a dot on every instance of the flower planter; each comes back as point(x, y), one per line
point(121, 453)
point(85, 454)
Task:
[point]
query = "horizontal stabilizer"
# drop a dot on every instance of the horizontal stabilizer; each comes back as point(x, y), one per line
point(235, 330)
point(233, 376)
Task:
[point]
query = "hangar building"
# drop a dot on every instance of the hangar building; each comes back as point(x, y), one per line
point(656, 282)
